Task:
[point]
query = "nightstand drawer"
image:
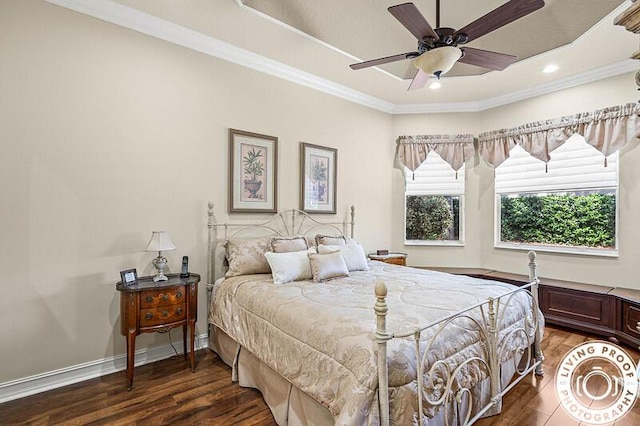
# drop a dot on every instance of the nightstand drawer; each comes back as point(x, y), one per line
point(396, 261)
point(162, 315)
point(631, 319)
point(161, 297)
point(393, 258)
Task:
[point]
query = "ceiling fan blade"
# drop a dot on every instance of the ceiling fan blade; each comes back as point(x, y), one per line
point(380, 61)
point(409, 16)
point(508, 12)
point(419, 80)
point(486, 59)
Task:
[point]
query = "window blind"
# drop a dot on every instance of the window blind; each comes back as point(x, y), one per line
point(575, 165)
point(434, 177)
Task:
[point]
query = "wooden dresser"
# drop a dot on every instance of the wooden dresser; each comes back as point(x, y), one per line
point(149, 306)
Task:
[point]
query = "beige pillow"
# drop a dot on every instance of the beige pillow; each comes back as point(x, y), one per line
point(291, 266)
point(246, 256)
point(330, 240)
point(288, 244)
point(326, 266)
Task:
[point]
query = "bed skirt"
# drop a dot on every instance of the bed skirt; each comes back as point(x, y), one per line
point(288, 404)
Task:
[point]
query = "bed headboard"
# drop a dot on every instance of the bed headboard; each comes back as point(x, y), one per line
point(287, 223)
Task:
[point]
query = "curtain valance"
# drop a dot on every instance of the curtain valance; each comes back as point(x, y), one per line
point(607, 130)
point(411, 151)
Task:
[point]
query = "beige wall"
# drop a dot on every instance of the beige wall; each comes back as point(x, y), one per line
point(469, 255)
point(479, 196)
point(588, 269)
point(108, 134)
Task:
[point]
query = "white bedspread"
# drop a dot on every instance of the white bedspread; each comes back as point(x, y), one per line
point(319, 336)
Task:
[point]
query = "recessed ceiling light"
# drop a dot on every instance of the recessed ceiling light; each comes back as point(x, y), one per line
point(550, 68)
point(435, 85)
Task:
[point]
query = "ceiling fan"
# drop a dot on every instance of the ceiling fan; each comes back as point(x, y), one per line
point(438, 48)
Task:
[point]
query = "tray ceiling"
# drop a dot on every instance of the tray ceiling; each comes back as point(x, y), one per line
point(313, 42)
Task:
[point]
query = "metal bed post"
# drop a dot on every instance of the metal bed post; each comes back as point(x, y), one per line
point(533, 278)
point(211, 265)
point(494, 356)
point(382, 337)
point(353, 220)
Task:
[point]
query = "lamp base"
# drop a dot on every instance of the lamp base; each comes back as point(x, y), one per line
point(160, 277)
point(160, 262)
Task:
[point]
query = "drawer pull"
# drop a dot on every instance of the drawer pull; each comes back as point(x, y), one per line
point(149, 315)
point(165, 297)
point(179, 311)
point(149, 299)
point(638, 326)
point(165, 313)
point(178, 295)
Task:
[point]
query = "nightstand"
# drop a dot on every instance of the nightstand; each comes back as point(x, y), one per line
point(394, 258)
point(148, 306)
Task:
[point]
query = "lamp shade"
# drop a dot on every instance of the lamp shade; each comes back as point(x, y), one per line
point(160, 241)
point(438, 61)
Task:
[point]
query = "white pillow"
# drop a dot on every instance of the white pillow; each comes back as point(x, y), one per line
point(353, 255)
point(289, 266)
point(326, 266)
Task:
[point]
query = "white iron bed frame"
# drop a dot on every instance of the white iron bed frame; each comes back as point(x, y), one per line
point(295, 222)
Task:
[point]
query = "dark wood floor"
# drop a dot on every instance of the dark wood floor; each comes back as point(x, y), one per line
point(166, 392)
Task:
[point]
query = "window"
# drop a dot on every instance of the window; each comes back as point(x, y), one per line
point(434, 203)
point(569, 205)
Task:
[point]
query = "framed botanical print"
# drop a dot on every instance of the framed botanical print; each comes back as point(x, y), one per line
point(253, 172)
point(318, 170)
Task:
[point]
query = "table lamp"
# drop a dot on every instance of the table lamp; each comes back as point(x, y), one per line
point(160, 242)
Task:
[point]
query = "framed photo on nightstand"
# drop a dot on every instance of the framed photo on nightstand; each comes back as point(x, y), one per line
point(129, 277)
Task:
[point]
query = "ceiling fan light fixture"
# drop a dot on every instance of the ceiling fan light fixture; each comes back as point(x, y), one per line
point(438, 61)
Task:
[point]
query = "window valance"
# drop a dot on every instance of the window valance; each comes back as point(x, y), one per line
point(607, 130)
point(411, 151)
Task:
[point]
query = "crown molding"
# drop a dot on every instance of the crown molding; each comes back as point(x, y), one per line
point(153, 26)
point(612, 70)
point(124, 16)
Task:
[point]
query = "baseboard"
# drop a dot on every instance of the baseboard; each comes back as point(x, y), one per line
point(77, 373)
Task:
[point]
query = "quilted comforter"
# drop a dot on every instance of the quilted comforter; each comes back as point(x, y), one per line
point(320, 336)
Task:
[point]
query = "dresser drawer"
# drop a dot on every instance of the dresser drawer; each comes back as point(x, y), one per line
point(162, 315)
point(161, 297)
point(631, 319)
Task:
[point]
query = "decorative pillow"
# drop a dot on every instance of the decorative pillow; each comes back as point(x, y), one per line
point(330, 240)
point(288, 244)
point(291, 266)
point(353, 255)
point(325, 266)
point(246, 256)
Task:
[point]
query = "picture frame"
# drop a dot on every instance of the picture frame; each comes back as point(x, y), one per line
point(253, 172)
point(318, 178)
point(129, 277)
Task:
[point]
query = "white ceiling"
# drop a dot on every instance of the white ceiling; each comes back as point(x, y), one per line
point(312, 42)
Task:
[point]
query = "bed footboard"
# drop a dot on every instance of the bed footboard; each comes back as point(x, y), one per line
point(447, 386)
